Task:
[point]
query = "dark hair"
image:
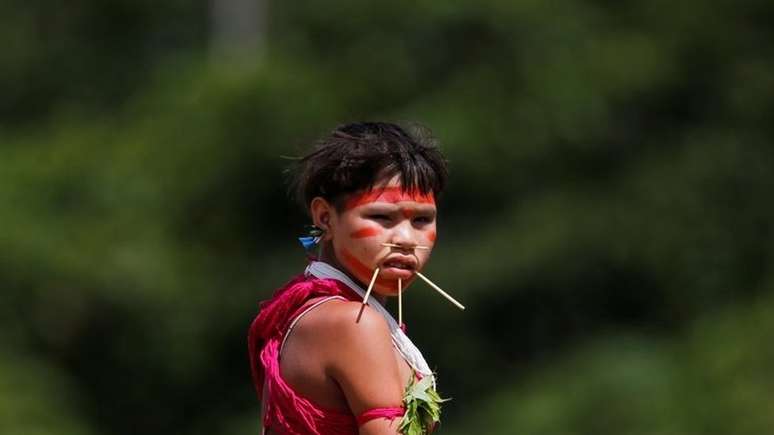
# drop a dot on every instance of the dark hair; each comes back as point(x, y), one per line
point(356, 156)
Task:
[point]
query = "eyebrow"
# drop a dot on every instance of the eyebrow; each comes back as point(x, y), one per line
point(385, 207)
point(423, 209)
point(422, 212)
point(381, 207)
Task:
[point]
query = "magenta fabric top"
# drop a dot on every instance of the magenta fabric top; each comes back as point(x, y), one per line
point(286, 411)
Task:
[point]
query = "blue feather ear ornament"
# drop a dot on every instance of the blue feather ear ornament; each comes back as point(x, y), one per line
point(311, 238)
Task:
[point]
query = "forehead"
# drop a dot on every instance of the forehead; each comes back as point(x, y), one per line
point(391, 194)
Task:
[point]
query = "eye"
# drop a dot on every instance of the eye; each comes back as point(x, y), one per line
point(423, 220)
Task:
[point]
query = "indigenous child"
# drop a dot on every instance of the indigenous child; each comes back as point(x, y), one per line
point(326, 356)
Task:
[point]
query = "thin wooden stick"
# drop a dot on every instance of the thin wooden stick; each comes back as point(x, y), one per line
point(371, 285)
point(393, 245)
point(368, 292)
point(443, 293)
point(400, 302)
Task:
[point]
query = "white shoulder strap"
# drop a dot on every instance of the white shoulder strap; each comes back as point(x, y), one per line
point(303, 313)
point(400, 340)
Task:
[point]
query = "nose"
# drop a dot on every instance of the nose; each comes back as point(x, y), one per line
point(403, 235)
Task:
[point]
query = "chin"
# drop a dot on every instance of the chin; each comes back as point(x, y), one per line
point(390, 288)
point(386, 292)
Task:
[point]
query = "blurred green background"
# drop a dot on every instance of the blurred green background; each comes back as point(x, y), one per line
point(608, 222)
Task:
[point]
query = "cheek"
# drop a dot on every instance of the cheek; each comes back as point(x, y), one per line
point(431, 236)
point(423, 257)
point(355, 265)
point(365, 232)
point(362, 271)
point(357, 246)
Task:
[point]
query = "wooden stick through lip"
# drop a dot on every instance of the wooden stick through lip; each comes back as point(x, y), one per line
point(438, 289)
point(393, 245)
point(368, 292)
point(400, 302)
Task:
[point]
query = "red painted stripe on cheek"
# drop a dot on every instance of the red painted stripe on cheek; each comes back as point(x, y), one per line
point(431, 236)
point(355, 265)
point(365, 232)
point(363, 272)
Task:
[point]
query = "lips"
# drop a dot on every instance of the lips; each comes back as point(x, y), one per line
point(400, 262)
point(400, 266)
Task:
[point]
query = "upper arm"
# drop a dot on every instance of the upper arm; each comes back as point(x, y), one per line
point(362, 360)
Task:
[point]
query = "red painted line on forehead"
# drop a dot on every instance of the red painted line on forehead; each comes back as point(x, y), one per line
point(365, 232)
point(388, 194)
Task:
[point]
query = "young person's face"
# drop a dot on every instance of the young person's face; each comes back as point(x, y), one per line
point(385, 214)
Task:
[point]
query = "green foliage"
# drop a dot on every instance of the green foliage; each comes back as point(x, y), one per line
point(711, 379)
point(423, 407)
point(37, 399)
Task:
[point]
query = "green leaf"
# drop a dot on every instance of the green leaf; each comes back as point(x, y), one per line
point(422, 405)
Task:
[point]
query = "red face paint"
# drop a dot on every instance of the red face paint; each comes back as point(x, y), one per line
point(355, 265)
point(363, 272)
point(408, 213)
point(365, 232)
point(388, 194)
point(431, 236)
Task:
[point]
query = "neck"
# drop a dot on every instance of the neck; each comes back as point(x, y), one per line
point(328, 256)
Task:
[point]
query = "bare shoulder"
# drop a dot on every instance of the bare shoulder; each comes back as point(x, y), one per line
point(359, 355)
point(349, 336)
point(348, 323)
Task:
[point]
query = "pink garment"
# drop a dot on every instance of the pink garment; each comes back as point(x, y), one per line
point(286, 411)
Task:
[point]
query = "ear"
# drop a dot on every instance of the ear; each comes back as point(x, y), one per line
point(323, 216)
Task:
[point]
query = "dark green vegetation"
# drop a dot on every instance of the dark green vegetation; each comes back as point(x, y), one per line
point(608, 225)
